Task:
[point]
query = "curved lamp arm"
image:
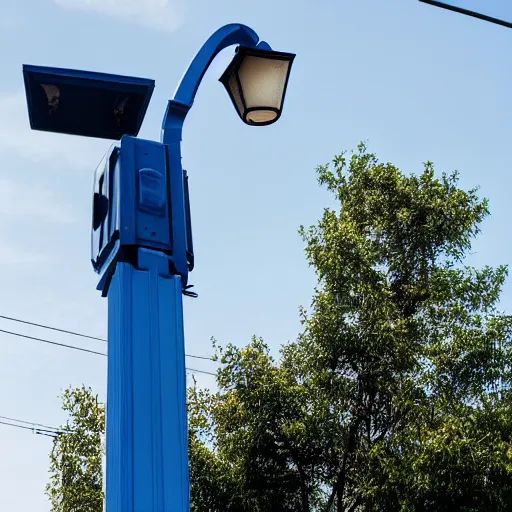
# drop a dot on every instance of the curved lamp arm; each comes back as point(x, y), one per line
point(172, 126)
point(222, 38)
point(178, 107)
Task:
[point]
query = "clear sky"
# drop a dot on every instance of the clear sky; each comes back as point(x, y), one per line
point(418, 83)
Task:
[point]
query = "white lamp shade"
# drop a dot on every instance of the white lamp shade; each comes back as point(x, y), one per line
point(256, 81)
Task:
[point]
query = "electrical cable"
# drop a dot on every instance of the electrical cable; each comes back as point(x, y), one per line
point(74, 333)
point(73, 347)
point(467, 12)
point(40, 428)
point(6, 418)
point(42, 432)
point(64, 345)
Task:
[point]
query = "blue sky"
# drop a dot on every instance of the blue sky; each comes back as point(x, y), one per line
point(418, 83)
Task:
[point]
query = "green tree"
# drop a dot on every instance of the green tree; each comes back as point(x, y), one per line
point(403, 340)
point(76, 459)
point(385, 401)
point(396, 394)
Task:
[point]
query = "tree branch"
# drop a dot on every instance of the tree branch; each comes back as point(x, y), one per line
point(356, 503)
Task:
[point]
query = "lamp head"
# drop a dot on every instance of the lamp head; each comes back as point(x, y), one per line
point(85, 103)
point(256, 82)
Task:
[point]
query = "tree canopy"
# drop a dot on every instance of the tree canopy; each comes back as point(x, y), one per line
point(76, 459)
point(395, 396)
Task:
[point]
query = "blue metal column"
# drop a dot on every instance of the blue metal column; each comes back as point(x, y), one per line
point(147, 445)
point(147, 463)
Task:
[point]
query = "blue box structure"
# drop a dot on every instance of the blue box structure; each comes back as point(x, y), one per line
point(132, 207)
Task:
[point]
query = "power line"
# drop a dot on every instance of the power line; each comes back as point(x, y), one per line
point(39, 431)
point(467, 12)
point(73, 333)
point(193, 370)
point(204, 358)
point(79, 334)
point(28, 423)
point(73, 347)
point(64, 345)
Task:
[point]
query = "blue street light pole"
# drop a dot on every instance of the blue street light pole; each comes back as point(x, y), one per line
point(142, 249)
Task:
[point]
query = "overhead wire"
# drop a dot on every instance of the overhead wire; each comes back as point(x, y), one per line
point(35, 430)
point(81, 349)
point(74, 333)
point(64, 345)
point(40, 428)
point(7, 418)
